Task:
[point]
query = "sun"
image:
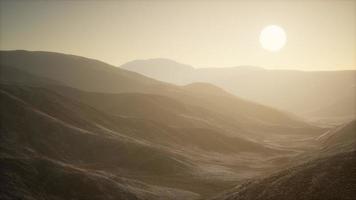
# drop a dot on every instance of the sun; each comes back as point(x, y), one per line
point(273, 38)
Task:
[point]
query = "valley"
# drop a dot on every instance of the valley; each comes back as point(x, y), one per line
point(78, 128)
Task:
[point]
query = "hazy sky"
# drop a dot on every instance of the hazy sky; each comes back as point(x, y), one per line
point(206, 33)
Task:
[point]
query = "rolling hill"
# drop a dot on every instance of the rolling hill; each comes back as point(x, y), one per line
point(83, 73)
point(325, 178)
point(50, 143)
point(327, 173)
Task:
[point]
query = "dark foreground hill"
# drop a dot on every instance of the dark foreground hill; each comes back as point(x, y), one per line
point(328, 173)
point(52, 150)
point(321, 179)
point(40, 178)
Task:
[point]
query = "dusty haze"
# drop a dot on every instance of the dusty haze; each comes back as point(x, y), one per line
point(321, 34)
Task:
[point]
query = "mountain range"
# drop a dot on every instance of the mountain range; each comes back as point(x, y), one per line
point(78, 128)
point(316, 95)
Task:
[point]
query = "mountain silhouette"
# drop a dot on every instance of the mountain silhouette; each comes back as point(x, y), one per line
point(313, 94)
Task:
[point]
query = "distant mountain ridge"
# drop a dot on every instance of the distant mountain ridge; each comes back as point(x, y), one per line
point(171, 72)
point(312, 94)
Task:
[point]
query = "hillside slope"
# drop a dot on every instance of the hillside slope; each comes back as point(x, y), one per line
point(322, 179)
point(327, 173)
point(83, 73)
point(41, 144)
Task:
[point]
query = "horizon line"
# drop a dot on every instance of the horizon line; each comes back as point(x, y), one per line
point(277, 68)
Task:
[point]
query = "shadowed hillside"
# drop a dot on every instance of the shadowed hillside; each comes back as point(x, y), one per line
point(327, 178)
point(83, 73)
point(64, 131)
point(328, 173)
